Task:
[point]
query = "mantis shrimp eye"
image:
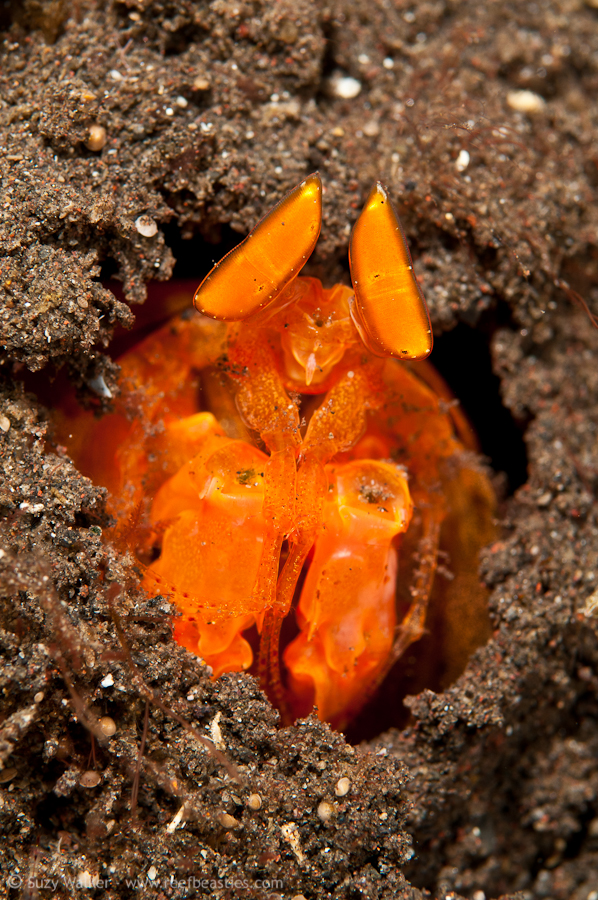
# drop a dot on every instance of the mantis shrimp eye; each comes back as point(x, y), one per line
point(389, 310)
point(253, 274)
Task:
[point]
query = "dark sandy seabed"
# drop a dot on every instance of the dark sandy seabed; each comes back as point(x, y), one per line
point(211, 111)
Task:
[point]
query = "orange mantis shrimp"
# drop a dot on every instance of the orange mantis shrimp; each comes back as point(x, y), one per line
point(290, 451)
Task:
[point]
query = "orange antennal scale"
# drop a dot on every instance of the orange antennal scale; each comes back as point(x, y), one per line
point(255, 272)
point(389, 310)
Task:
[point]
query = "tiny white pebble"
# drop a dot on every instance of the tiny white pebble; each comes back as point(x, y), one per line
point(182, 102)
point(38, 697)
point(108, 726)
point(325, 811)
point(4, 423)
point(525, 101)
point(96, 138)
point(342, 787)
point(87, 880)
point(151, 873)
point(169, 111)
point(363, 58)
point(371, 128)
point(228, 822)
point(462, 161)
point(146, 226)
point(89, 779)
point(388, 63)
point(115, 75)
point(346, 87)
point(108, 681)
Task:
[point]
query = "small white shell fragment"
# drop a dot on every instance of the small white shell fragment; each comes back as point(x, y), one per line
point(216, 733)
point(591, 607)
point(227, 821)
point(172, 826)
point(31, 507)
point(290, 834)
point(462, 161)
point(107, 681)
point(146, 226)
point(99, 386)
point(182, 102)
point(87, 880)
point(342, 787)
point(4, 424)
point(525, 101)
point(254, 801)
point(151, 873)
point(345, 87)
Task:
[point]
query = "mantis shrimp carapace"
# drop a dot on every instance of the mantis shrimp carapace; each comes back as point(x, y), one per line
point(289, 451)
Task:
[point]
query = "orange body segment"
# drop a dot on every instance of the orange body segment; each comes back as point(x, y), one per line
point(252, 275)
point(347, 610)
point(389, 310)
point(212, 504)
